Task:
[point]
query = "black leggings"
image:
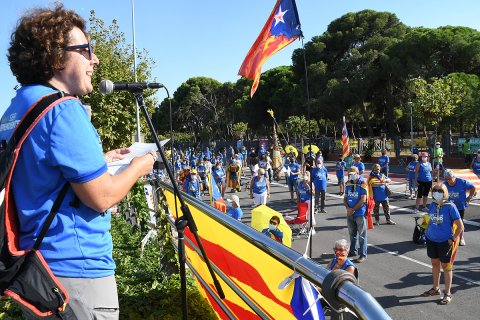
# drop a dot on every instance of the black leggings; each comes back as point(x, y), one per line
point(423, 188)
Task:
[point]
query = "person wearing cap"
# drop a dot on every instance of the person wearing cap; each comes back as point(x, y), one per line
point(475, 166)
point(340, 173)
point(273, 231)
point(259, 188)
point(234, 210)
point(320, 175)
point(355, 202)
point(358, 164)
point(384, 161)
point(457, 193)
point(412, 183)
point(423, 176)
point(438, 160)
point(193, 186)
point(378, 183)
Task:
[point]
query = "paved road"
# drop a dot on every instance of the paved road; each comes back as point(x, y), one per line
point(397, 270)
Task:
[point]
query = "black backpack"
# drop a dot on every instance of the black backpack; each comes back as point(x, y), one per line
point(24, 274)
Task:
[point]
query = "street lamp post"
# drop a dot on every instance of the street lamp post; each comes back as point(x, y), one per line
point(411, 126)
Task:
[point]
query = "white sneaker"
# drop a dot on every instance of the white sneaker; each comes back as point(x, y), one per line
point(415, 211)
point(462, 241)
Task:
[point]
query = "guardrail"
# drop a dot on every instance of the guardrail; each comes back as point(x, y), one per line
point(337, 287)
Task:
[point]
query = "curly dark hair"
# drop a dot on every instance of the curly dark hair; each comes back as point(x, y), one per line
point(37, 46)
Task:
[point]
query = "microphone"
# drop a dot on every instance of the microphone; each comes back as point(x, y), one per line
point(107, 86)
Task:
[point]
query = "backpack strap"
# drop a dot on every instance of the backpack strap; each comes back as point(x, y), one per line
point(9, 157)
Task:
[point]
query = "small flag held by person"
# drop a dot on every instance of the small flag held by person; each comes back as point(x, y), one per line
point(281, 29)
point(345, 145)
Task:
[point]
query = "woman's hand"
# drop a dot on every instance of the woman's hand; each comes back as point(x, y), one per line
point(115, 155)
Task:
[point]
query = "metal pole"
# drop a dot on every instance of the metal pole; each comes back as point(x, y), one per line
point(137, 109)
point(411, 126)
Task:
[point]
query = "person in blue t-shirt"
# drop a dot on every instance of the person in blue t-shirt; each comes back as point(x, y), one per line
point(219, 175)
point(440, 240)
point(379, 183)
point(475, 166)
point(457, 193)
point(294, 171)
point(340, 260)
point(355, 202)
point(193, 186)
point(50, 53)
point(233, 209)
point(340, 167)
point(384, 161)
point(202, 174)
point(423, 176)
point(412, 182)
point(358, 164)
point(320, 176)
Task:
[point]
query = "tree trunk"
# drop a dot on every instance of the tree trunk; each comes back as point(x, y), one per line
point(389, 108)
point(462, 129)
point(364, 110)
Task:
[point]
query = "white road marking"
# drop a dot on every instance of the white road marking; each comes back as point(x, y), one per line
point(396, 254)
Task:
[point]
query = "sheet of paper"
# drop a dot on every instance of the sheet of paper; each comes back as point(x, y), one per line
point(137, 149)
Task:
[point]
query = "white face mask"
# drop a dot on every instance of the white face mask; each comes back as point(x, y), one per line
point(424, 159)
point(438, 196)
point(305, 178)
point(194, 177)
point(353, 177)
point(272, 227)
point(319, 165)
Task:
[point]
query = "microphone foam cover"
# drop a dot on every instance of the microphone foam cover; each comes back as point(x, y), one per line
point(106, 86)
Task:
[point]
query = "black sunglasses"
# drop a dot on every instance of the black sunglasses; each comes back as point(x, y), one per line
point(82, 46)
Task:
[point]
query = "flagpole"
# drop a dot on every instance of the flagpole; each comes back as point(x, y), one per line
point(309, 146)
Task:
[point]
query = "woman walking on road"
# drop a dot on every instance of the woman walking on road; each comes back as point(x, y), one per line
point(423, 176)
point(259, 188)
point(441, 238)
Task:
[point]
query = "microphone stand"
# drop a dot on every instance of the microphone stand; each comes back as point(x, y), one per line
point(182, 222)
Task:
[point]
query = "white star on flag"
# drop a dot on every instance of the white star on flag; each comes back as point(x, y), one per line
point(279, 16)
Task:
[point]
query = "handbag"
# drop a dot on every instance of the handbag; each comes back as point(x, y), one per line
point(24, 274)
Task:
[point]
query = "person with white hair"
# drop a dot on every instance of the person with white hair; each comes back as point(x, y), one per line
point(259, 188)
point(457, 193)
point(234, 209)
point(340, 260)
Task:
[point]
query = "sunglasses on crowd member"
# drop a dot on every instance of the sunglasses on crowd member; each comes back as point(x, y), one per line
point(82, 49)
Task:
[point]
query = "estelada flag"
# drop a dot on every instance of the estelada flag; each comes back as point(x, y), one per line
point(281, 28)
point(345, 145)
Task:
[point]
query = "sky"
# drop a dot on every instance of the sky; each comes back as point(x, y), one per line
point(189, 38)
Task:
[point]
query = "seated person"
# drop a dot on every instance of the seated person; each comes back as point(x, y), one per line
point(341, 261)
point(272, 230)
point(234, 209)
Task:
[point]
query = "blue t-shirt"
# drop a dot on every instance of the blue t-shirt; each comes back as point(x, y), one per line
point(383, 161)
point(192, 188)
point(458, 192)
point(235, 213)
point(476, 166)
point(294, 168)
point(347, 264)
point(219, 174)
point(340, 168)
point(320, 176)
point(201, 170)
point(353, 193)
point(208, 155)
point(63, 147)
point(380, 193)
point(303, 193)
point(425, 172)
point(440, 226)
point(359, 165)
point(259, 187)
point(411, 169)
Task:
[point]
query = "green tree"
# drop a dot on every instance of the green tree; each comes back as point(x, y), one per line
point(114, 115)
point(239, 129)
